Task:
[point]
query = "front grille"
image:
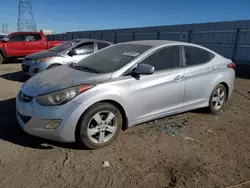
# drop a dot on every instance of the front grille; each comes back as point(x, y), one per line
point(25, 68)
point(25, 119)
point(24, 97)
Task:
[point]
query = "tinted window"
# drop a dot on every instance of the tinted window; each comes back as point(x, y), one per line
point(33, 37)
point(196, 56)
point(85, 48)
point(16, 38)
point(113, 58)
point(166, 58)
point(64, 46)
point(102, 45)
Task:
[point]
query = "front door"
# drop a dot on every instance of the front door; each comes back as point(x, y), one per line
point(15, 46)
point(161, 92)
point(82, 51)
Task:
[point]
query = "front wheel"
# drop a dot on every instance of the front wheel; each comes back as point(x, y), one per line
point(217, 99)
point(99, 126)
point(1, 59)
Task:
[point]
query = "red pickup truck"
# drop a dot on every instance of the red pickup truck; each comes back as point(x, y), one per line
point(21, 44)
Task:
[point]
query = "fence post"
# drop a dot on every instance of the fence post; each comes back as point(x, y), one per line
point(189, 35)
point(133, 36)
point(90, 36)
point(235, 43)
point(158, 35)
point(115, 38)
point(101, 36)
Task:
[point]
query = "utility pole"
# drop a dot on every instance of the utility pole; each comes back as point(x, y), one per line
point(26, 21)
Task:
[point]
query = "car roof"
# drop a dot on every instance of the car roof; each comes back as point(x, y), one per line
point(91, 40)
point(152, 43)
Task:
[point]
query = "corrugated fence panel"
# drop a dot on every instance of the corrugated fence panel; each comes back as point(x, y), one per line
point(145, 36)
point(225, 50)
point(124, 37)
point(109, 37)
point(243, 53)
point(96, 35)
point(244, 37)
point(213, 37)
point(177, 36)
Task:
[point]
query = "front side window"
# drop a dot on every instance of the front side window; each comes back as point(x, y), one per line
point(17, 38)
point(85, 48)
point(112, 58)
point(64, 46)
point(167, 58)
point(197, 56)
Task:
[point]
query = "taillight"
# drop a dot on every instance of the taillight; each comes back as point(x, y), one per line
point(232, 66)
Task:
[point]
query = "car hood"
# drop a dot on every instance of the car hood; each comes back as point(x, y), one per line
point(58, 78)
point(42, 54)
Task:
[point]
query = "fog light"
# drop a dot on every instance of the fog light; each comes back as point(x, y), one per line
point(53, 124)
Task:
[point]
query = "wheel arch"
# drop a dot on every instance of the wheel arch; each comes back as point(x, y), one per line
point(113, 102)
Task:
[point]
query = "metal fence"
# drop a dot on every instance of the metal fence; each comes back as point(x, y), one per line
point(230, 39)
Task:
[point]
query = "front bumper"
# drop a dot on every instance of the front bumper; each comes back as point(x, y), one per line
point(33, 118)
point(33, 68)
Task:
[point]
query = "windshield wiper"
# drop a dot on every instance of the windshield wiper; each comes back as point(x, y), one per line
point(80, 67)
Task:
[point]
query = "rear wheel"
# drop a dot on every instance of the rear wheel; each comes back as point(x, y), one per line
point(99, 126)
point(217, 99)
point(1, 59)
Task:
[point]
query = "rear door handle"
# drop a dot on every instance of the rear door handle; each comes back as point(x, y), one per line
point(180, 77)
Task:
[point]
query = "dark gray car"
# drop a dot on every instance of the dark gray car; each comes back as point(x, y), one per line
point(66, 53)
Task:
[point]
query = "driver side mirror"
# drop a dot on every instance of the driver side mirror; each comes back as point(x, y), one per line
point(144, 69)
point(6, 39)
point(72, 52)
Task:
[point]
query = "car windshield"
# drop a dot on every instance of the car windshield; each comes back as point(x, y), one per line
point(64, 46)
point(112, 58)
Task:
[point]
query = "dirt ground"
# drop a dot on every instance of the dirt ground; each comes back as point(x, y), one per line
point(193, 149)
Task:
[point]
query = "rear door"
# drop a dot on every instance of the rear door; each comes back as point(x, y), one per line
point(15, 46)
point(83, 50)
point(200, 74)
point(163, 91)
point(34, 43)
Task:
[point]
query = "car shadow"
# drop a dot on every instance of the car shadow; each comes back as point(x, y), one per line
point(15, 76)
point(10, 130)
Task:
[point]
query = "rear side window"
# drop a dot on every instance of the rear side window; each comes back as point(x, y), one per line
point(17, 38)
point(102, 45)
point(33, 37)
point(166, 58)
point(197, 56)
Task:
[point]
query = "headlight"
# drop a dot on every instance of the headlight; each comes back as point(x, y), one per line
point(61, 97)
point(39, 60)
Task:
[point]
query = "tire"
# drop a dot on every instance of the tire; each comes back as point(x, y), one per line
point(1, 59)
point(88, 126)
point(53, 66)
point(217, 99)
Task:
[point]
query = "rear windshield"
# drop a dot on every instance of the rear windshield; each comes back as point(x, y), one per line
point(64, 46)
point(112, 58)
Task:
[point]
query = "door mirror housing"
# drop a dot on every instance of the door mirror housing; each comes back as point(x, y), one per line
point(72, 52)
point(144, 69)
point(5, 39)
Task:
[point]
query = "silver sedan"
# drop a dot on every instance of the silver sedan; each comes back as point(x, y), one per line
point(121, 86)
point(66, 53)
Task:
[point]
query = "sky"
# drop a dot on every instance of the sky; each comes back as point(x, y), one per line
point(78, 15)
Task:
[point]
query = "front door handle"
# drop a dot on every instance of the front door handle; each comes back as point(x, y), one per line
point(180, 77)
point(215, 68)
